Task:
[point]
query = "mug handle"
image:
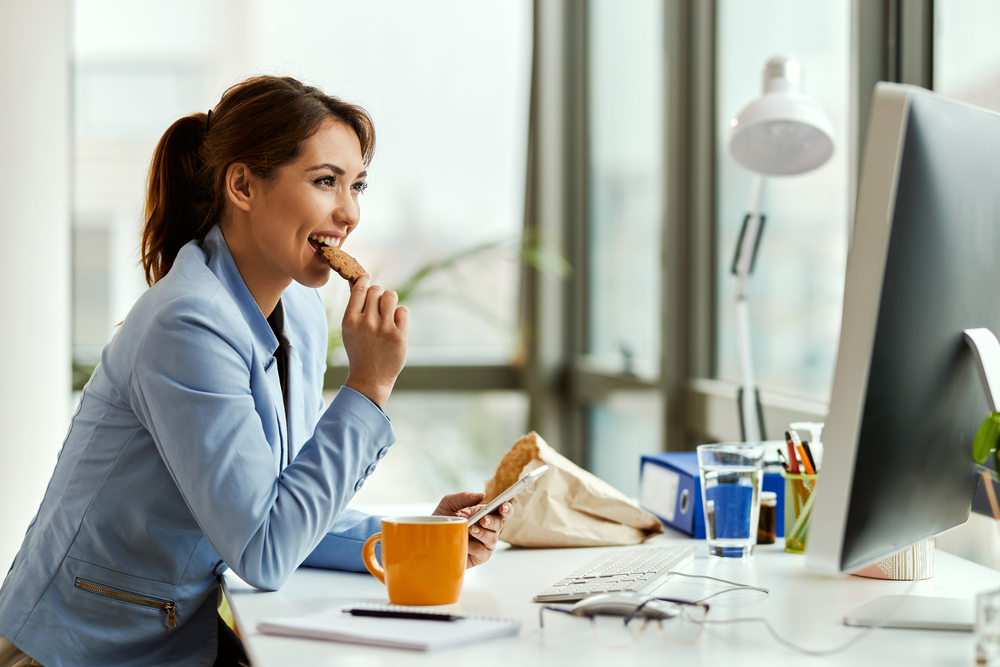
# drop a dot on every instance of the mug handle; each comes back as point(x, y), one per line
point(368, 556)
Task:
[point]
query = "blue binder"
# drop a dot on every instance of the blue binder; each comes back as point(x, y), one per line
point(670, 488)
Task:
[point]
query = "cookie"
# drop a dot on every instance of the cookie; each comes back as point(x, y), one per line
point(512, 465)
point(342, 263)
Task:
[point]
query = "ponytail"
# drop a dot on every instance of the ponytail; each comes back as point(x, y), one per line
point(262, 123)
point(175, 196)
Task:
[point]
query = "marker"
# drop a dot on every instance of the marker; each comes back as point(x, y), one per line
point(793, 462)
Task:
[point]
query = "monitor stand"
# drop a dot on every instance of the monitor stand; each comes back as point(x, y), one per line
point(935, 613)
point(915, 612)
point(914, 563)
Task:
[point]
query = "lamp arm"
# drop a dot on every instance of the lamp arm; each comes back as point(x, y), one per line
point(746, 248)
point(749, 239)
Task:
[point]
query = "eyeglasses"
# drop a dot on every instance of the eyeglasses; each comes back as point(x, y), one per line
point(651, 610)
point(700, 610)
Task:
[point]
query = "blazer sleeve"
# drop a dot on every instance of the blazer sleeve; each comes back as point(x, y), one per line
point(340, 549)
point(191, 390)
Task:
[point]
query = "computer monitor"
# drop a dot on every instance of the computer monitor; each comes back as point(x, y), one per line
point(923, 266)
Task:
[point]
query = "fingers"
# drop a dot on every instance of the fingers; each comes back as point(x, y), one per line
point(484, 535)
point(359, 290)
point(463, 504)
point(483, 539)
point(376, 302)
point(387, 307)
point(402, 319)
point(487, 530)
point(372, 299)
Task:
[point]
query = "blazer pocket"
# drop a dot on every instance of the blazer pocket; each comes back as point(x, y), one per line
point(114, 593)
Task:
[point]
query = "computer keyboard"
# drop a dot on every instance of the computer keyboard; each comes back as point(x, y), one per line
point(639, 569)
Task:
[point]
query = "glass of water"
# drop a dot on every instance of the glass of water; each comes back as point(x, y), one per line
point(731, 477)
point(988, 628)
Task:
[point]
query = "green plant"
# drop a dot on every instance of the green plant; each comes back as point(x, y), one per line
point(986, 440)
point(985, 443)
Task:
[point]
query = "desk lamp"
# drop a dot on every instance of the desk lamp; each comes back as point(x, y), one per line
point(781, 133)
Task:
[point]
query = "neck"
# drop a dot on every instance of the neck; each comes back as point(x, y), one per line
point(266, 284)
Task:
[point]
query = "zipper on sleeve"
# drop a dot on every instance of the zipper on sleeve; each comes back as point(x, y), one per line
point(167, 606)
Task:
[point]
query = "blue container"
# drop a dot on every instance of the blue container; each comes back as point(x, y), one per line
point(669, 487)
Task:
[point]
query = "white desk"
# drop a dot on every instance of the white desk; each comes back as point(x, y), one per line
point(801, 606)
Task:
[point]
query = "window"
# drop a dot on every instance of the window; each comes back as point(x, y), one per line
point(447, 85)
point(624, 200)
point(966, 51)
point(796, 290)
point(625, 144)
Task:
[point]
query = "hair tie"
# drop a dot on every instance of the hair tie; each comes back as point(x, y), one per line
point(208, 118)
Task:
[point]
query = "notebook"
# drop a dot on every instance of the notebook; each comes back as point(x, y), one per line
point(417, 635)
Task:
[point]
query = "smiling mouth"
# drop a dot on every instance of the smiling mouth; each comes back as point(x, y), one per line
point(328, 241)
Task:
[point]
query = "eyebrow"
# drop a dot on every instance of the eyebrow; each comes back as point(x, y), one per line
point(335, 169)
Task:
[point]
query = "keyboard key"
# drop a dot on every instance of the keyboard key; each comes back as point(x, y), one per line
point(639, 569)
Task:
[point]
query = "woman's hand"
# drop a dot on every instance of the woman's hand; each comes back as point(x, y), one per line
point(482, 536)
point(375, 330)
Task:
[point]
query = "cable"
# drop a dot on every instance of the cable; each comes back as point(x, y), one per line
point(807, 651)
point(736, 586)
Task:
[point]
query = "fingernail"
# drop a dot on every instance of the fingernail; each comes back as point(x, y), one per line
point(476, 530)
point(486, 521)
point(507, 508)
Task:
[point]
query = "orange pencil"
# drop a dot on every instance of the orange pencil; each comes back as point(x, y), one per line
point(805, 460)
point(797, 441)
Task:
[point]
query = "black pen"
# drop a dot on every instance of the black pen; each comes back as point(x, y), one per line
point(809, 454)
point(402, 613)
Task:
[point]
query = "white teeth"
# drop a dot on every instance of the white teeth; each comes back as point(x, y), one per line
point(332, 241)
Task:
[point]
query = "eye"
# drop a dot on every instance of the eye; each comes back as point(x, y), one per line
point(360, 187)
point(326, 181)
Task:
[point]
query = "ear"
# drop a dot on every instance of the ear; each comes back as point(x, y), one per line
point(238, 186)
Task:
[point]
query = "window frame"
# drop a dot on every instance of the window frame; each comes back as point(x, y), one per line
point(892, 40)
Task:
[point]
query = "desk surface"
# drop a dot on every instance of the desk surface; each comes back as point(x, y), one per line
point(802, 606)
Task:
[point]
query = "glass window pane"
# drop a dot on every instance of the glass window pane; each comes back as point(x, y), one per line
point(450, 115)
point(796, 290)
point(622, 429)
point(447, 442)
point(625, 88)
point(967, 51)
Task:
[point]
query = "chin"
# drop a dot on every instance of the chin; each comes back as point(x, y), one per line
point(314, 280)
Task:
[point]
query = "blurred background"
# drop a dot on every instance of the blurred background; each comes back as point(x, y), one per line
point(554, 172)
point(447, 85)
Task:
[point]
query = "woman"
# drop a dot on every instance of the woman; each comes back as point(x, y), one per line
point(201, 441)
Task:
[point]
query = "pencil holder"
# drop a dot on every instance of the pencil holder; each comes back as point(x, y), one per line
point(798, 510)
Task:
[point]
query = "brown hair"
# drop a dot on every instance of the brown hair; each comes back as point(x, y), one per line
point(261, 122)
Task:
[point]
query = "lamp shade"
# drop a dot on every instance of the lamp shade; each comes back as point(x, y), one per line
point(783, 132)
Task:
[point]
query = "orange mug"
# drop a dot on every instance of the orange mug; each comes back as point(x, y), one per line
point(424, 558)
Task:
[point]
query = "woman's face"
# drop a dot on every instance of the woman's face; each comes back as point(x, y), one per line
point(312, 198)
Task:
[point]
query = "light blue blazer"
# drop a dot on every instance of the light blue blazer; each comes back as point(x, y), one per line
point(175, 468)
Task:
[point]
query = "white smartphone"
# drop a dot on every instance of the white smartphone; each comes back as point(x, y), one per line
point(509, 493)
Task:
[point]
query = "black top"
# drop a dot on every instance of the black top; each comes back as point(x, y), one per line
point(277, 323)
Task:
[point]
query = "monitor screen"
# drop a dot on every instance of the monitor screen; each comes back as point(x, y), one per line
point(923, 266)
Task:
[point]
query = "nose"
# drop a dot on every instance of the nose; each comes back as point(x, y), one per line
point(347, 210)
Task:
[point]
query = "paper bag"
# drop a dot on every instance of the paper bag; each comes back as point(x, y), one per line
point(568, 506)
